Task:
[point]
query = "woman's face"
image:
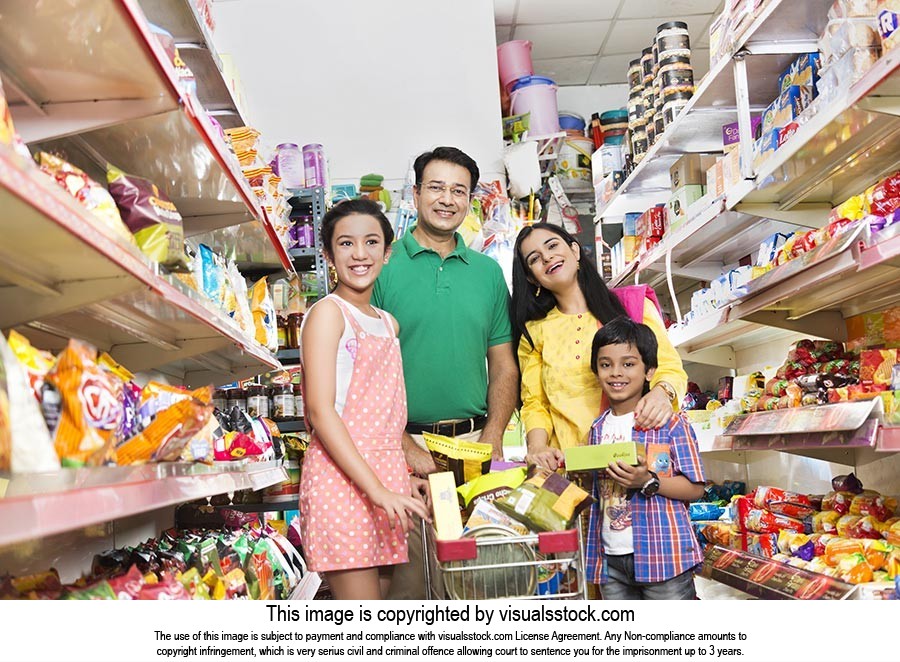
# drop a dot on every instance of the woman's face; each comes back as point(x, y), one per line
point(550, 262)
point(358, 251)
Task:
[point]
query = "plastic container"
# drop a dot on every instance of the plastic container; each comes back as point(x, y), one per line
point(647, 66)
point(673, 39)
point(283, 402)
point(614, 119)
point(676, 75)
point(514, 62)
point(236, 397)
point(673, 106)
point(537, 95)
point(635, 74)
point(571, 121)
point(290, 165)
point(257, 401)
point(573, 164)
point(314, 165)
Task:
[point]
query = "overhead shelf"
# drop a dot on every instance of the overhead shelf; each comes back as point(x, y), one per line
point(119, 102)
point(65, 275)
point(39, 505)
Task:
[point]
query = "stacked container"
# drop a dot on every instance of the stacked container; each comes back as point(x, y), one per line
point(528, 93)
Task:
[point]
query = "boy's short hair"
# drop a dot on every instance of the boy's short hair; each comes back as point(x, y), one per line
point(625, 331)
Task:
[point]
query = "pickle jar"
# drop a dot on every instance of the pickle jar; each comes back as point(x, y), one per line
point(298, 401)
point(236, 397)
point(283, 402)
point(257, 401)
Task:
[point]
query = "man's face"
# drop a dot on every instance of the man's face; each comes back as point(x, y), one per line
point(442, 199)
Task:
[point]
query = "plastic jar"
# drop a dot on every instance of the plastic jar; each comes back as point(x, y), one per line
point(283, 402)
point(676, 74)
point(635, 74)
point(236, 397)
point(639, 143)
point(298, 400)
point(673, 38)
point(659, 123)
point(635, 107)
point(257, 401)
point(674, 104)
point(290, 165)
point(314, 165)
point(651, 133)
point(647, 66)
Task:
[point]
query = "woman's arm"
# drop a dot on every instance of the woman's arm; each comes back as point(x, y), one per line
point(536, 410)
point(321, 336)
point(656, 408)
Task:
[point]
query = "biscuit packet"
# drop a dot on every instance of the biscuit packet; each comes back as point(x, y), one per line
point(466, 460)
point(546, 501)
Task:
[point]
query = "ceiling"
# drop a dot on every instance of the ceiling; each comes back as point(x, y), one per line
point(590, 42)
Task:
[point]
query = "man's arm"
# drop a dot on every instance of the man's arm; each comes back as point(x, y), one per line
point(419, 460)
point(503, 393)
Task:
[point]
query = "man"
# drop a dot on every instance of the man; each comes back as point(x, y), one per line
point(461, 375)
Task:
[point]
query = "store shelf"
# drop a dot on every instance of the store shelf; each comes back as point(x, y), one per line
point(68, 277)
point(118, 101)
point(844, 147)
point(197, 49)
point(296, 425)
point(769, 579)
point(38, 505)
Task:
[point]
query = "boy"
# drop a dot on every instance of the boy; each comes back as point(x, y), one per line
point(640, 542)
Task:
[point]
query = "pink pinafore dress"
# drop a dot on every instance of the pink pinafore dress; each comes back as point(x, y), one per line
point(340, 528)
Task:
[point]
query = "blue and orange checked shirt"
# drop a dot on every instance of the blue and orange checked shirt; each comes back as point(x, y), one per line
point(664, 542)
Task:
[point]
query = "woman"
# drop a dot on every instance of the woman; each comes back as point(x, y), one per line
point(557, 307)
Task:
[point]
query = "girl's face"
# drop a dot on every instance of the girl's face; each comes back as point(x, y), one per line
point(550, 262)
point(358, 251)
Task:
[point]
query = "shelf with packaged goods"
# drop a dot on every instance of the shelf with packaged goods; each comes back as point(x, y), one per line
point(811, 294)
point(773, 39)
point(195, 46)
point(116, 100)
point(770, 579)
point(64, 275)
point(38, 505)
point(849, 433)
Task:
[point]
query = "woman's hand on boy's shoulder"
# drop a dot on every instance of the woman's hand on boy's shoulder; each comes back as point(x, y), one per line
point(653, 411)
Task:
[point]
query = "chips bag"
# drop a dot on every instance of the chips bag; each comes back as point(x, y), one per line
point(467, 460)
point(490, 487)
point(152, 218)
point(263, 310)
point(546, 501)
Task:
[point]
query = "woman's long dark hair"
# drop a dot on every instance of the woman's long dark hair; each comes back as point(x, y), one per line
point(526, 305)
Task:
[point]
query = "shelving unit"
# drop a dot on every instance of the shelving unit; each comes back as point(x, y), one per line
point(96, 86)
point(311, 202)
point(849, 143)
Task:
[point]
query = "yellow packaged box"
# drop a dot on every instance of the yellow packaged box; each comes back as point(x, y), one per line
point(590, 458)
point(445, 506)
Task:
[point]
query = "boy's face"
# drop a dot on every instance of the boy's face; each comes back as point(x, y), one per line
point(622, 374)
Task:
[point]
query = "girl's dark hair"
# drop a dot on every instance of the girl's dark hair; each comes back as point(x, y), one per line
point(451, 155)
point(345, 208)
point(625, 331)
point(526, 305)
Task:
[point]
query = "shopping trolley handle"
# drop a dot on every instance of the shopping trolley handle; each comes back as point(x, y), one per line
point(554, 542)
point(461, 549)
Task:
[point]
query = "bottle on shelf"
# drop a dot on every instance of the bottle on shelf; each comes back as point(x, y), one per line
point(294, 320)
point(290, 165)
point(281, 321)
point(257, 401)
point(298, 401)
point(283, 402)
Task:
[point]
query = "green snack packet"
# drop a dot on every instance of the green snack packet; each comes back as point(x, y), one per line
point(546, 501)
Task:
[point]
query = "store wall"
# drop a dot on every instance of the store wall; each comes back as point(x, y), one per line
point(375, 83)
point(587, 99)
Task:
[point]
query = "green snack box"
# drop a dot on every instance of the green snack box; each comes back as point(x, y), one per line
point(590, 458)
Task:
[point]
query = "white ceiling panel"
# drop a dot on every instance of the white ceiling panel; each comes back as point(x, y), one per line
point(566, 70)
point(610, 69)
point(648, 8)
point(504, 11)
point(564, 40)
point(632, 36)
point(503, 32)
point(542, 11)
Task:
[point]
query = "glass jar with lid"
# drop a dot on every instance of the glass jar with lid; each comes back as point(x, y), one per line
point(257, 401)
point(236, 397)
point(298, 401)
point(283, 402)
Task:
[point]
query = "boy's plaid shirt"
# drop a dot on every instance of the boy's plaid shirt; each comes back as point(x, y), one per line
point(664, 542)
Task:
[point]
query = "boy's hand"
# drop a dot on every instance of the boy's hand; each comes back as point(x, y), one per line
point(653, 410)
point(633, 478)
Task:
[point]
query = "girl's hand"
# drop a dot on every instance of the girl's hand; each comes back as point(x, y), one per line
point(399, 507)
point(421, 490)
point(627, 476)
point(546, 458)
point(653, 410)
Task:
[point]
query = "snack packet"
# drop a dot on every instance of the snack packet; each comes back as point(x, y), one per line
point(546, 501)
point(490, 487)
point(152, 218)
point(467, 460)
point(263, 310)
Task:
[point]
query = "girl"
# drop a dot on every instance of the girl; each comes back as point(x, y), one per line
point(557, 307)
point(355, 494)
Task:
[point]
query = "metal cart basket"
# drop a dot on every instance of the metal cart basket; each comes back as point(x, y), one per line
point(495, 562)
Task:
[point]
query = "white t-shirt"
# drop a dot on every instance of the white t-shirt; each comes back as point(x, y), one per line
point(346, 354)
point(616, 532)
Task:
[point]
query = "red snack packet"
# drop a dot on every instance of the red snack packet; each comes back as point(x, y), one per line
point(783, 502)
point(168, 588)
point(129, 585)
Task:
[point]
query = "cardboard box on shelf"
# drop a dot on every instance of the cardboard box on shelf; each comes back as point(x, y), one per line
point(682, 199)
point(652, 223)
point(690, 169)
point(731, 133)
point(785, 109)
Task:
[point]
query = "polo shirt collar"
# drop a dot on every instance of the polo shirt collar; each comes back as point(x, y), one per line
point(414, 248)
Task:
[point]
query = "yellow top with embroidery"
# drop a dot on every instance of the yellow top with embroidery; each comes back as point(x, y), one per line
point(560, 394)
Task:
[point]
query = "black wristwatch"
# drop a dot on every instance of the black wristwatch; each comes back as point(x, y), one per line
point(651, 487)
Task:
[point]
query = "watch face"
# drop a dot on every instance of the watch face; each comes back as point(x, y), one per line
point(651, 489)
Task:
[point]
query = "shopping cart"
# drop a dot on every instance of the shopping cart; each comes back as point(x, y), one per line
point(494, 562)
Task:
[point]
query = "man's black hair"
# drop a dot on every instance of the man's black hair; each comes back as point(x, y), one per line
point(625, 331)
point(451, 155)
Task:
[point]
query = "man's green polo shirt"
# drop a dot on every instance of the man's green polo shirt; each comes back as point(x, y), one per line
point(450, 311)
